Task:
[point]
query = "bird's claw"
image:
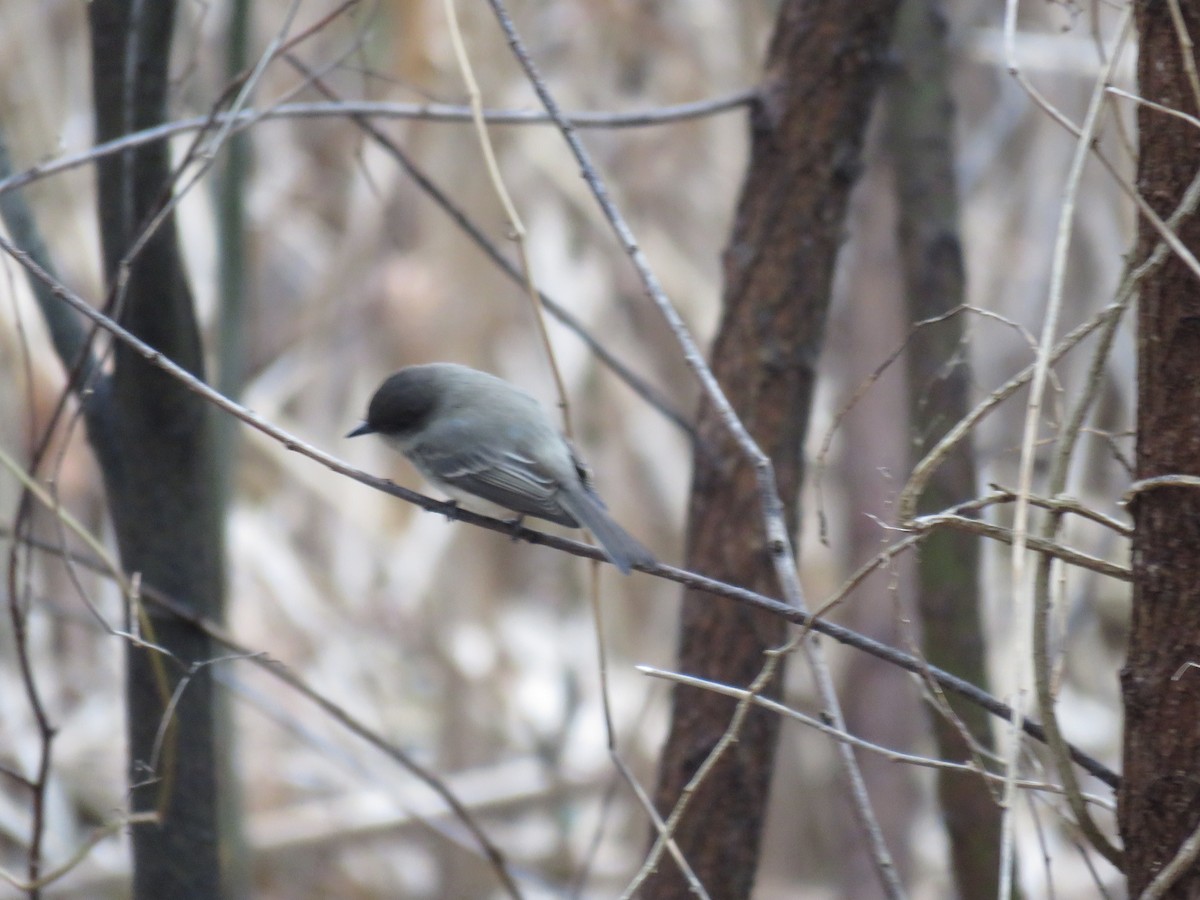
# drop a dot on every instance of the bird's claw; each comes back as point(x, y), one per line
point(515, 525)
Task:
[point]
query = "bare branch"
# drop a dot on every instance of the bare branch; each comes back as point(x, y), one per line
point(369, 109)
point(450, 509)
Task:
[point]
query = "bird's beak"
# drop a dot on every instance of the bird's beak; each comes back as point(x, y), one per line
point(364, 428)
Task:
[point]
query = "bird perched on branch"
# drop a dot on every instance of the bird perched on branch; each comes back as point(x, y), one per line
point(474, 435)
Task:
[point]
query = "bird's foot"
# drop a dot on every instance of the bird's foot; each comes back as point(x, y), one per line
point(514, 527)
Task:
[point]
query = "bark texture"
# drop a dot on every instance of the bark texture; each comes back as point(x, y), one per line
point(822, 71)
point(1160, 789)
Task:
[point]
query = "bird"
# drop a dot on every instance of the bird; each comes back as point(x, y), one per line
point(476, 436)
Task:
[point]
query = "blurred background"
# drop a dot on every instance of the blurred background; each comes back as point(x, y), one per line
point(476, 654)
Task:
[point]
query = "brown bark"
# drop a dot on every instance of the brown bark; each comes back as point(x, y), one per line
point(823, 68)
point(1160, 790)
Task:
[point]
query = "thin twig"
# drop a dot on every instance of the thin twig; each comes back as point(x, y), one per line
point(820, 462)
point(1127, 187)
point(745, 703)
point(653, 397)
point(777, 536)
point(519, 234)
point(1187, 50)
point(688, 579)
point(1024, 601)
point(910, 496)
point(1057, 481)
point(1157, 107)
point(679, 576)
point(260, 659)
point(779, 540)
point(534, 295)
point(1032, 542)
point(80, 853)
point(1157, 483)
point(817, 724)
point(1180, 864)
point(1062, 504)
point(368, 109)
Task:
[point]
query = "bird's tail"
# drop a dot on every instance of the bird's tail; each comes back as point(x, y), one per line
point(620, 546)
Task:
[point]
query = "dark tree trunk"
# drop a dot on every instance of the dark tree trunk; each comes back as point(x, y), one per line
point(921, 128)
point(154, 440)
point(1160, 789)
point(823, 68)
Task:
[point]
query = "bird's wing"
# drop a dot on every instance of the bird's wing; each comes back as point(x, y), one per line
point(511, 479)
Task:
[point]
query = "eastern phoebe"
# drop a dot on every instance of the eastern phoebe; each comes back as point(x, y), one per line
point(474, 435)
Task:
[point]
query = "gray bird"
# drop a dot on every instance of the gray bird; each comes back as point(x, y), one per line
point(474, 435)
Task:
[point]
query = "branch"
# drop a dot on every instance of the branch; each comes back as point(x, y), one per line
point(451, 510)
point(80, 854)
point(367, 109)
point(774, 523)
point(237, 650)
point(636, 383)
point(853, 740)
point(1031, 606)
point(67, 333)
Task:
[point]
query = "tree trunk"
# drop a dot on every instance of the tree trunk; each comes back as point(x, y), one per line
point(823, 68)
point(1160, 791)
point(921, 128)
point(154, 440)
